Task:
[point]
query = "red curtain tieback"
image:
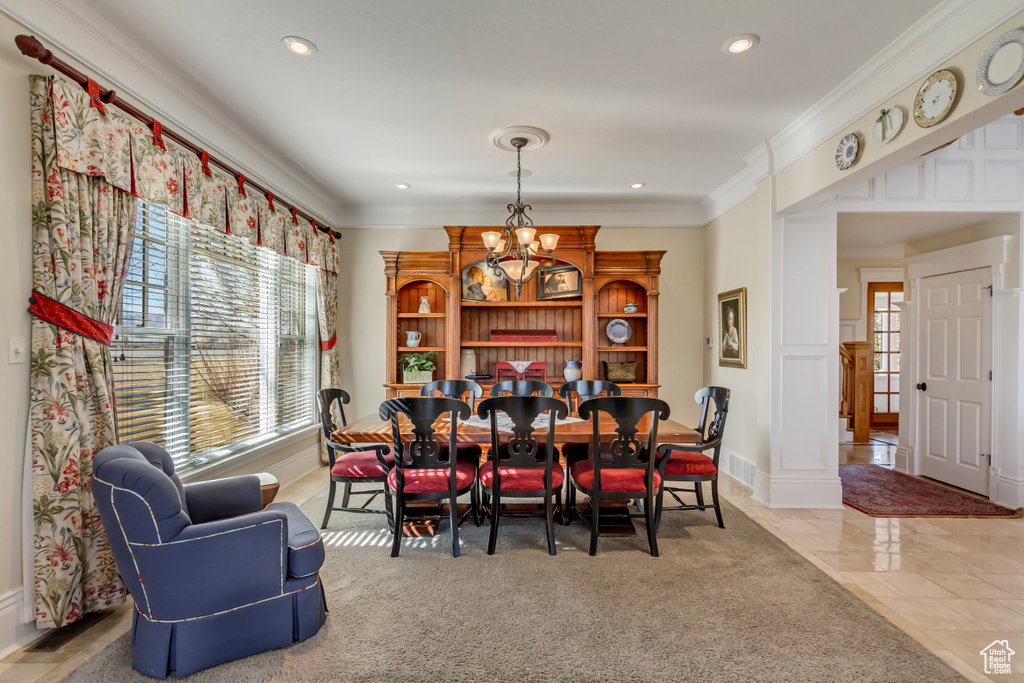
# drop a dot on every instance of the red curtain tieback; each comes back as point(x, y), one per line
point(56, 313)
point(329, 344)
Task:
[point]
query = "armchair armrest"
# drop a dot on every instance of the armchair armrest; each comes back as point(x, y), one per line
point(212, 567)
point(222, 498)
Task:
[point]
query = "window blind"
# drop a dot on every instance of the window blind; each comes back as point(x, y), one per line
point(216, 348)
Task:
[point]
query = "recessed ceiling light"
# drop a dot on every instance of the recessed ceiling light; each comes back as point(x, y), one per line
point(740, 43)
point(300, 46)
point(403, 186)
point(636, 186)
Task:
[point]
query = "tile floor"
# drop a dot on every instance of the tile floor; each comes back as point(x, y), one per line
point(955, 585)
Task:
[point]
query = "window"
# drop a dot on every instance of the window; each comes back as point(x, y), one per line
point(214, 351)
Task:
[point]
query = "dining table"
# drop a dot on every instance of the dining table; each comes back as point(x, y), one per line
point(614, 516)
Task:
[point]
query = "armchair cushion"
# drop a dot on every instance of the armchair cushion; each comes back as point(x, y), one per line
point(433, 480)
point(629, 480)
point(522, 478)
point(360, 464)
point(305, 547)
point(222, 498)
point(689, 463)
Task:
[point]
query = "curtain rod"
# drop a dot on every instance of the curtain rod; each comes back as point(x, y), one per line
point(31, 47)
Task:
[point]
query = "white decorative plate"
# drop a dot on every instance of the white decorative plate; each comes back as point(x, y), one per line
point(618, 331)
point(846, 152)
point(1002, 65)
point(935, 98)
point(881, 134)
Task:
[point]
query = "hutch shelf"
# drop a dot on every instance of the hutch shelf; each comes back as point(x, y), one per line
point(611, 279)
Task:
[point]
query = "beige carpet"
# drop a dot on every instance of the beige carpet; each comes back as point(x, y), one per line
point(718, 605)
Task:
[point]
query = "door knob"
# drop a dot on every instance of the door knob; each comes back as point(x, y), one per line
point(923, 386)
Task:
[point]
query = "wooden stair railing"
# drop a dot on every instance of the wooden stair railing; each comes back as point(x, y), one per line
point(855, 402)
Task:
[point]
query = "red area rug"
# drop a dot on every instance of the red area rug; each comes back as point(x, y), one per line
point(880, 492)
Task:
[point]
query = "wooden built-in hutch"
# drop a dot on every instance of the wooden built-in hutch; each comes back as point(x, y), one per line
point(611, 279)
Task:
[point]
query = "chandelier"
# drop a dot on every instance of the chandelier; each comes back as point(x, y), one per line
point(514, 253)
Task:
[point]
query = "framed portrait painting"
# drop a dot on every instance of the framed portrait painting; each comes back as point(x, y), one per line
point(732, 328)
point(559, 282)
point(480, 282)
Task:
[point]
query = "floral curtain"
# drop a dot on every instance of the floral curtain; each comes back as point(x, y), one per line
point(82, 226)
point(324, 255)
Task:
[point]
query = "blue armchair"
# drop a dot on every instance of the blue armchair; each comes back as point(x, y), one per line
point(214, 576)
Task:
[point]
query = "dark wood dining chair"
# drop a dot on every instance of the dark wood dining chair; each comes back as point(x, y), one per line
point(623, 469)
point(586, 389)
point(363, 463)
point(522, 387)
point(523, 468)
point(464, 390)
point(421, 472)
point(690, 462)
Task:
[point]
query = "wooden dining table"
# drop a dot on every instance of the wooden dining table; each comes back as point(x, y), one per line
point(614, 517)
point(371, 429)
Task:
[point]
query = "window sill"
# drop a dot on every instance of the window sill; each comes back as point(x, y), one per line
point(216, 469)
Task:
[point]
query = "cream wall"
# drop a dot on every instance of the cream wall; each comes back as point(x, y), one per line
point(848, 277)
point(361, 307)
point(1008, 224)
point(16, 285)
point(737, 246)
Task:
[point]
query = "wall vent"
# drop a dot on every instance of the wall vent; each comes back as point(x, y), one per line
point(738, 467)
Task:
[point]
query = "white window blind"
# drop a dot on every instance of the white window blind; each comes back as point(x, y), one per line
point(215, 352)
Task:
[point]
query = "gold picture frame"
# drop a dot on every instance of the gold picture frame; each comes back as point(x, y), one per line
point(732, 328)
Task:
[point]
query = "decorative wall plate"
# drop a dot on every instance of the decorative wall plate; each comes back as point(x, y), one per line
point(935, 99)
point(618, 331)
point(846, 152)
point(1002, 65)
point(887, 125)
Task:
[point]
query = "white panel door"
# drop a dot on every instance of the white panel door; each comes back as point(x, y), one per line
point(954, 389)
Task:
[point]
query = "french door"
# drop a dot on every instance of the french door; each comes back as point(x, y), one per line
point(884, 321)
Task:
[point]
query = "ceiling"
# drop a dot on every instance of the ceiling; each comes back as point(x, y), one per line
point(880, 229)
point(409, 92)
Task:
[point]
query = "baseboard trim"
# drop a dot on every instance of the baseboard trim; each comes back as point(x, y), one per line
point(291, 469)
point(14, 632)
point(1010, 492)
point(904, 460)
point(820, 493)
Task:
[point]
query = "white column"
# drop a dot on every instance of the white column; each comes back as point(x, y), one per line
point(804, 462)
point(1007, 471)
point(905, 461)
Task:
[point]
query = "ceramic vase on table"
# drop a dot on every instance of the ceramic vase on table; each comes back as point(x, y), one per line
point(573, 370)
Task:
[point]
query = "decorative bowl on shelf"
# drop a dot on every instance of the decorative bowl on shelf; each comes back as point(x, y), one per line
point(630, 308)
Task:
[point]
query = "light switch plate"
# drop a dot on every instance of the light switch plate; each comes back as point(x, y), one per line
point(16, 350)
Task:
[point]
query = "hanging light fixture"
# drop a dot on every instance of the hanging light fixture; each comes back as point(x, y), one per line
point(513, 252)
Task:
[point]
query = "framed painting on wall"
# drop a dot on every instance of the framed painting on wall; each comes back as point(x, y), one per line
point(480, 282)
point(732, 328)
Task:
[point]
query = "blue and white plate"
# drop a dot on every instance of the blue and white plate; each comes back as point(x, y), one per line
point(618, 331)
point(846, 153)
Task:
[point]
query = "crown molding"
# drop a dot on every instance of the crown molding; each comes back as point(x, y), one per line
point(871, 251)
point(73, 28)
point(741, 186)
point(937, 36)
point(682, 215)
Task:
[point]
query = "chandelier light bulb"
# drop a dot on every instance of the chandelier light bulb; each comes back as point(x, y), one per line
point(549, 241)
point(525, 235)
point(491, 239)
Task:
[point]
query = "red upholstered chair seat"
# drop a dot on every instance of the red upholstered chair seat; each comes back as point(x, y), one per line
point(684, 463)
point(522, 478)
point(433, 480)
point(612, 481)
point(360, 464)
